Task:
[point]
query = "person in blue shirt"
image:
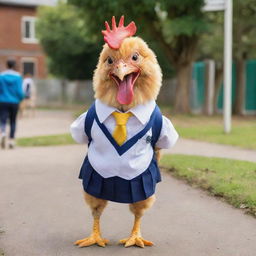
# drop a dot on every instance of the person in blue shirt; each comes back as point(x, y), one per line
point(11, 94)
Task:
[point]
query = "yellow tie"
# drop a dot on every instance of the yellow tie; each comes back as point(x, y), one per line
point(120, 132)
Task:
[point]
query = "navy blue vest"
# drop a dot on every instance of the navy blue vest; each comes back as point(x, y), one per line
point(117, 189)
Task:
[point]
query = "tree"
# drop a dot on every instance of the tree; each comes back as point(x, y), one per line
point(244, 45)
point(174, 24)
point(244, 41)
point(211, 47)
point(63, 35)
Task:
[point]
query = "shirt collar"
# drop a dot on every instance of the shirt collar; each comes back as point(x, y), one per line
point(141, 112)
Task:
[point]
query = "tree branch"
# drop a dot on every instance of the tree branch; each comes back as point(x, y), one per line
point(168, 49)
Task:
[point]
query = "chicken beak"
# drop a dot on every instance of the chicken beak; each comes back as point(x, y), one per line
point(124, 75)
point(122, 69)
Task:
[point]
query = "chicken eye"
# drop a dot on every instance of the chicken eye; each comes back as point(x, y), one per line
point(135, 57)
point(110, 61)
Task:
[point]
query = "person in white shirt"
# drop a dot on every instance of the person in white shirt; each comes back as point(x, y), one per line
point(29, 102)
point(123, 128)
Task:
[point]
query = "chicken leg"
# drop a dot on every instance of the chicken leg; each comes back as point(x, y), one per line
point(97, 206)
point(138, 210)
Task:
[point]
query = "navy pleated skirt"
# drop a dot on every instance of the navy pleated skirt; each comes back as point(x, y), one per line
point(117, 189)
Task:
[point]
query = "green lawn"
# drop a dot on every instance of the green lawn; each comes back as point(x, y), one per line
point(210, 129)
point(242, 135)
point(50, 140)
point(233, 180)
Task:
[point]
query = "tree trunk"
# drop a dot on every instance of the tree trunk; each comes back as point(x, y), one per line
point(208, 107)
point(217, 85)
point(181, 54)
point(182, 104)
point(240, 87)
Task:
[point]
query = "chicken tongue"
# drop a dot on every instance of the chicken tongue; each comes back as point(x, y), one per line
point(125, 90)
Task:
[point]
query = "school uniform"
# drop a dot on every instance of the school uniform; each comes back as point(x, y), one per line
point(124, 173)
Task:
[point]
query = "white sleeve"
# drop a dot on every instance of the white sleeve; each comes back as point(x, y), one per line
point(168, 136)
point(77, 130)
point(24, 85)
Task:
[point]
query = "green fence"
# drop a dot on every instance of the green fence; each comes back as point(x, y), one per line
point(198, 88)
point(250, 90)
point(221, 92)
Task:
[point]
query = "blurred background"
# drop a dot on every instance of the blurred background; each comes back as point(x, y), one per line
point(58, 42)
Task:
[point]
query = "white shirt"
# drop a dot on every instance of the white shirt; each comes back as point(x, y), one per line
point(103, 156)
point(25, 83)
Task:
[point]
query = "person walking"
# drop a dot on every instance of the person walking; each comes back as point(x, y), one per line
point(29, 90)
point(11, 94)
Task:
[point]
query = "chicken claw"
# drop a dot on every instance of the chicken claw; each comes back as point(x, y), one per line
point(135, 240)
point(92, 239)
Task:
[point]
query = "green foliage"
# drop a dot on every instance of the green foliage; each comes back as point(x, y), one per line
point(231, 179)
point(63, 35)
point(244, 30)
point(186, 12)
point(51, 140)
point(211, 43)
point(164, 22)
point(188, 25)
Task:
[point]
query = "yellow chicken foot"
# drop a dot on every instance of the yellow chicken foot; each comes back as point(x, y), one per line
point(135, 237)
point(94, 238)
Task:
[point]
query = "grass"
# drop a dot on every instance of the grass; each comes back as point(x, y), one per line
point(1, 250)
point(233, 180)
point(210, 129)
point(242, 135)
point(69, 107)
point(80, 111)
point(50, 140)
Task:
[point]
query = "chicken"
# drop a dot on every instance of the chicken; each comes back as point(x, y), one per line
point(127, 75)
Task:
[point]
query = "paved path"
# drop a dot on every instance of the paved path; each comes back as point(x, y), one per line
point(200, 148)
point(46, 122)
point(42, 213)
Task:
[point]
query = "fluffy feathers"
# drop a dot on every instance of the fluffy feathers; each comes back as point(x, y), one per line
point(146, 86)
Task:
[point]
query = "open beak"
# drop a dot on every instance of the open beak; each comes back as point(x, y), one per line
point(125, 76)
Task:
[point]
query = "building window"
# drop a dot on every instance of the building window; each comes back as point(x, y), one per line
point(29, 66)
point(28, 29)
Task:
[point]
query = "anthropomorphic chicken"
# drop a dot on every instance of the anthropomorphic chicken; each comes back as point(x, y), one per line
point(123, 129)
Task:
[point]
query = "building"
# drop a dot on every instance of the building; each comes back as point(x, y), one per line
point(18, 36)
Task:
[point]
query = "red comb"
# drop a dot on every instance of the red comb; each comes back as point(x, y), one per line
point(115, 36)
